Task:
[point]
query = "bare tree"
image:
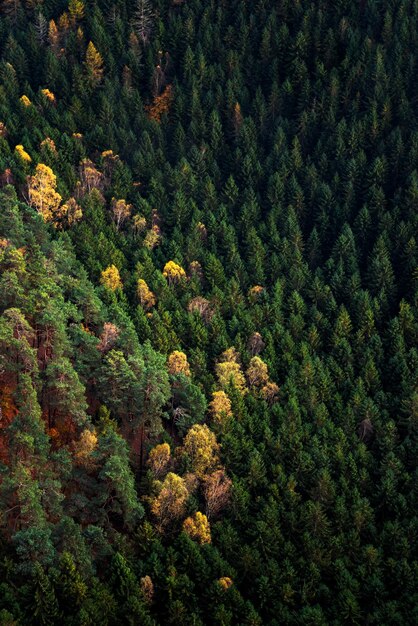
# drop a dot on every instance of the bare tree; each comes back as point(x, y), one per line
point(41, 28)
point(143, 20)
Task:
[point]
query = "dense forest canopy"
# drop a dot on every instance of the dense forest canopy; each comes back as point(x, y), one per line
point(208, 312)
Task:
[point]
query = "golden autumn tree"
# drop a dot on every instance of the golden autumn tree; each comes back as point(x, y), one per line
point(121, 211)
point(255, 293)
point(76, 10)
point(25, 101)
point(53, 36)
point(196, 270)
point(170, 503)
point(147, 588)
point(159, 459)
point(161, 104)
point(22, 153)
point(257, 372)
point(178, 364)
point(110, 278)
point(64, 23)
point(94, 64)
point(49, 146)
point(145, 295)
point(198, 528)
point(220, 407)
point(153, 237)
point(90, 177)
point(225, 583)
point(42, 192)
point(270, 392)
point(139, 223)
point(173, 272)
point(70, 212)
point(201, 448)
point(85, 447)
point(48, 94)
point(229, 371)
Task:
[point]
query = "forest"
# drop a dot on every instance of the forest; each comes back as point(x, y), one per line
point(208, 312)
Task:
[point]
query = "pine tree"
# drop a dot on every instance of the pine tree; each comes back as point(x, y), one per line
point(45, 608)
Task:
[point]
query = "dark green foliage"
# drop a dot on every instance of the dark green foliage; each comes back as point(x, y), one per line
point(280, 173)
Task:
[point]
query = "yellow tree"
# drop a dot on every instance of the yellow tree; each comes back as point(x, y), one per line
point(255, 292)
point(48, 94)
point(42, 192)
point(121, 211)
point(110, 278)
point(161, 104)
point(147, 588)
point(53, 36)
point(177, 363)
point(94, 64)
point(49, 146)
point(173, 272)
point(22, 153)
point(90, 177)
point(70, 212)
point(228, 370)
point(85, 447)
point(170, 503)
point(152, 238)
point(76, 10)
point(145, 295)
point(25, 101)
point(202, 449)
point(225, 583)
point(230, 355)
point(159, 459)
point(64, 23)
point(270, 392)
point(198, 528)
point(139, 223)
point(220, 407)
point(257, 372)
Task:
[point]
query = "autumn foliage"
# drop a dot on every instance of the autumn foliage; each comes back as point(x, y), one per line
point(173, 272)
point(178, 364)
point(110, 278)
point(201, 448)
point(170, 503)
point(161, 104)
point(229, 371)
point(220, 407)
point(145, 295)
point(198, 528)
point(159, 459)
point(42, 192)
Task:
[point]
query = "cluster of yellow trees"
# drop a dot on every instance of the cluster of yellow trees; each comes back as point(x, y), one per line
point(229, 370)
point(44, 197)
point(200, 451)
